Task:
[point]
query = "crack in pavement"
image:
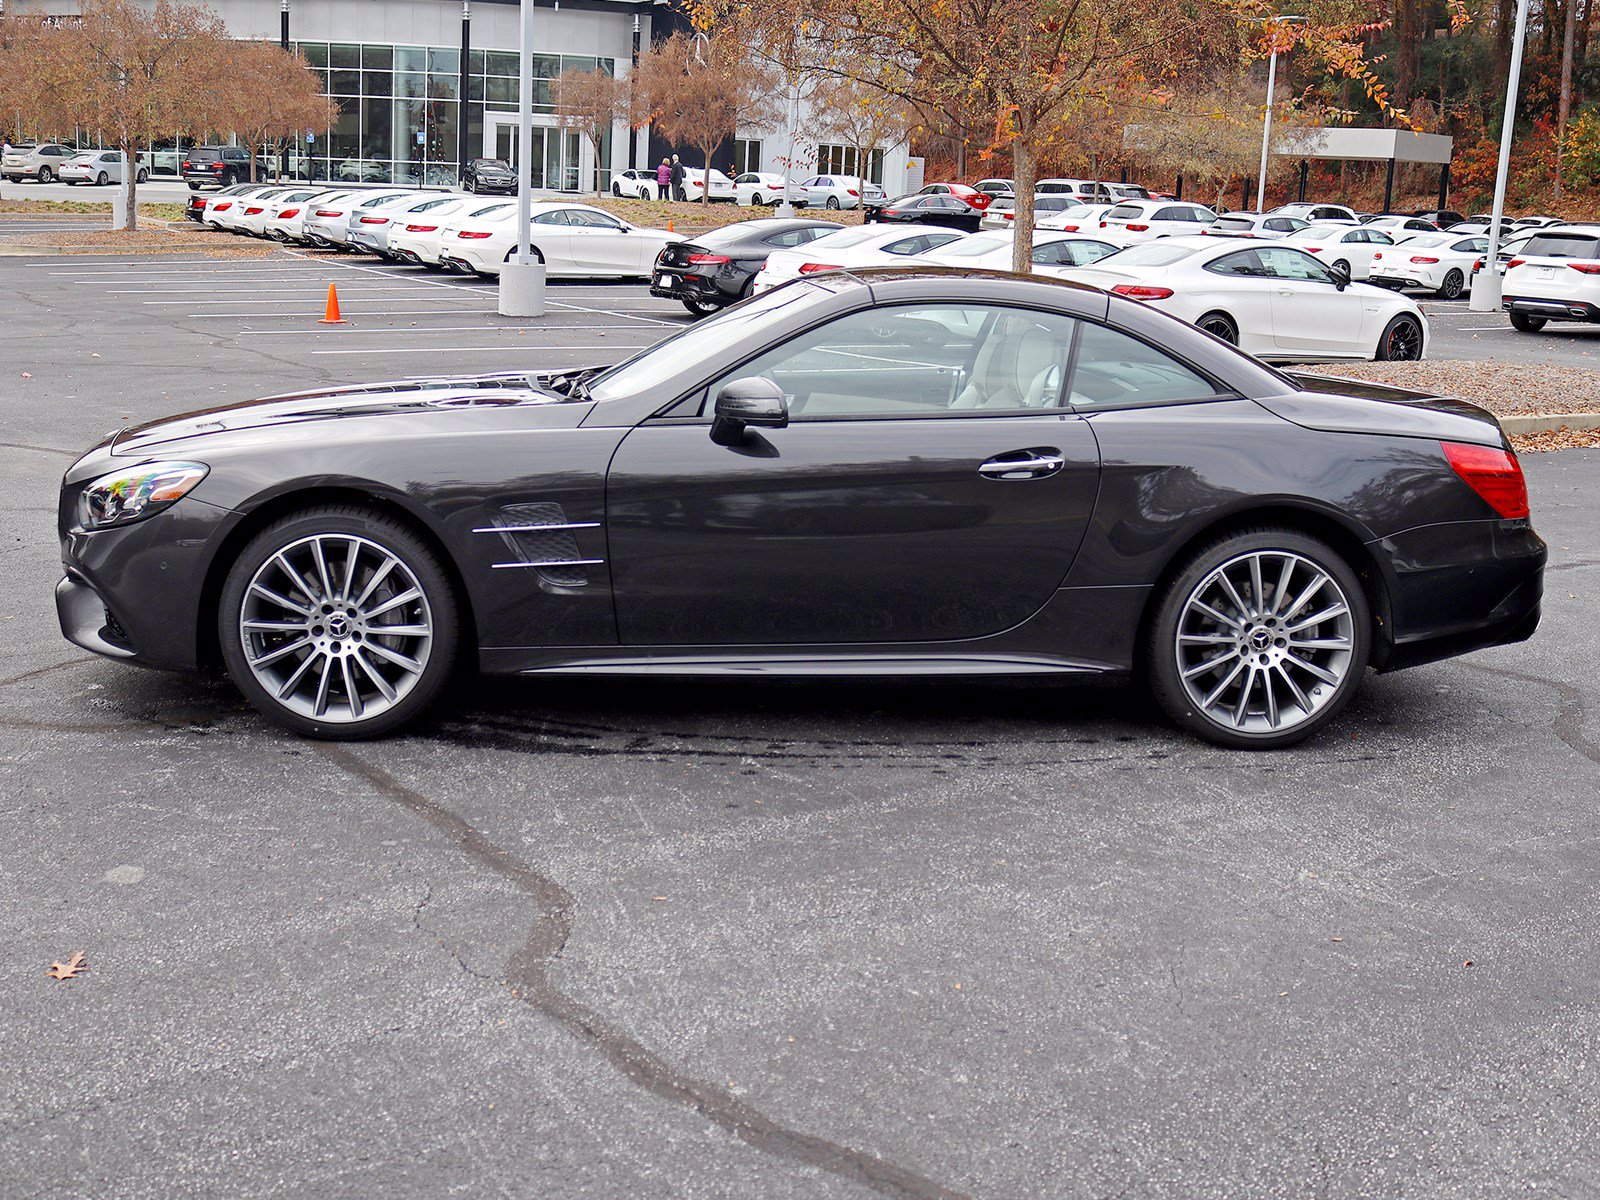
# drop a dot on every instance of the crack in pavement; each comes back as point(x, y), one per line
point(527, 978)
point(1568, 725)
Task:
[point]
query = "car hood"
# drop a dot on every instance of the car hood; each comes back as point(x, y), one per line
point(1334, 405)
point(412, 397)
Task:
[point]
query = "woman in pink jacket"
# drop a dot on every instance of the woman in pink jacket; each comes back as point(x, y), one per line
point(663, 180)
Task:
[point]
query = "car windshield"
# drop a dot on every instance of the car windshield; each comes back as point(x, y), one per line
point(497, 163)
point(1125, 212)
point(1233, 223)
point(1152, 254)
point(699, 343)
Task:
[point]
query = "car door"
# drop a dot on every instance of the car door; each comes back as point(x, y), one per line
point(928, 486)
point(1311, 315)
point(1243, 289)
point(551, 232)
point(604, 245)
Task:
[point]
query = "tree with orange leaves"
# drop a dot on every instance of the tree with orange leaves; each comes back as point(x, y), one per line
point(273, 95)
point(592, 102)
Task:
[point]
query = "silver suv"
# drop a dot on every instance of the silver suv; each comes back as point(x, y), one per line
point(41, 162)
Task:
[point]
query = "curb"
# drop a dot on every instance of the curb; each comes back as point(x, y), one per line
point(1550, 422)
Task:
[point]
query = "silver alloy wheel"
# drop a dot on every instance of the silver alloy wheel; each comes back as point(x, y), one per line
point(1264, 642)
point(336, 628)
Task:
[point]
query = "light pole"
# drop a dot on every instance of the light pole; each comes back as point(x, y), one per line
point(1266, 123)
point(1487, 288)
point(522, 279)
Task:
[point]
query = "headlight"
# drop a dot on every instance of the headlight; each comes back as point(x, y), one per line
point(137, 492)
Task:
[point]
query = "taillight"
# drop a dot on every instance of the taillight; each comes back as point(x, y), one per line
point(1494, 474)
point(287, 213)
point(1070, 228)
point(473, 234)
point(1142, 291)
point(1416, 258)
point(1515, 262)
point(813, 268)
point(709, 260)
point(250, 212)
point(374, 220)
point(199, 203)
point(1313, 249)
point(1379, 254)
point(329, 212)
point(223, 205)
point(1138, 228)
point(216, 166)
point(187, 165)
point(421, 228)
point(1586, 268)
point(852, 192)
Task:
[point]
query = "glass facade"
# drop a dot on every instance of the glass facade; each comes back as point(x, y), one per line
point(399, 109)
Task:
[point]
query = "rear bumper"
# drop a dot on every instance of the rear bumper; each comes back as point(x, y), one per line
point(677, 286)
point(1460, 587)
point(1552, 310)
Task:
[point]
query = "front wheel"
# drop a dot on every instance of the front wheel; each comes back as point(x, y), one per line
point(1401, 341)
point(338, 622)
point(1452, 286)
point(1523, 323)
point(1220, 326)
point(1259, 640)
point(616, 190)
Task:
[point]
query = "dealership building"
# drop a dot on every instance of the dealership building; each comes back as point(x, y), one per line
point(420, 85)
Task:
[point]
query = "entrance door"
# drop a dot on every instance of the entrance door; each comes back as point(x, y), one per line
point(560, 159)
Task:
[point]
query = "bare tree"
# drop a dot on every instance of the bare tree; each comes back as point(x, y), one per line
point(274, 95)
point(862, 116)
point(694, 89)
point(592, 102)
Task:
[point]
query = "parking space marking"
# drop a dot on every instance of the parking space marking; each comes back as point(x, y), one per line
point(386, 350)
point(290, 316)
point(479, 327)
point(315, 285)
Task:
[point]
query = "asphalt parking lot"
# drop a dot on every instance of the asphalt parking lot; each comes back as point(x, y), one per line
point(687, 940)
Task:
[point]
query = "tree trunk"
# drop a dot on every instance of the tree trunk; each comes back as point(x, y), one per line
point(1564, 106)
point(1023, 173)
point(130, 183)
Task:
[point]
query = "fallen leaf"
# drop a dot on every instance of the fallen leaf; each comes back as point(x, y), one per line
point(25, 375)
point(658, 898)
point(1468, 963)
point(94, 354)
point(1337, 939)
point(70, 969)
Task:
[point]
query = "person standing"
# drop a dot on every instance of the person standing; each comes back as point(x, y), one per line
point(664, 181)
point(677, 180)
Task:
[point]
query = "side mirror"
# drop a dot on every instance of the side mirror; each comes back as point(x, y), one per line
point(756, 401)
point(1341, 276)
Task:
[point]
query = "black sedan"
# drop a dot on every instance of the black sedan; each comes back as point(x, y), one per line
point(718, 268)
point(489, 175)
point(912, 472)
point(926, 210)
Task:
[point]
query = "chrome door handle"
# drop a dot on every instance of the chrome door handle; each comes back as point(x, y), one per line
point(1285, 291)
point(1023, 464)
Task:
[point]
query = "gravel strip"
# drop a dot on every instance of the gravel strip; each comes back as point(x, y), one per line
point(1505, 389)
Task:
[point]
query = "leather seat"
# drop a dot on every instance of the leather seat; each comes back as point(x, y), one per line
point(1019, 366)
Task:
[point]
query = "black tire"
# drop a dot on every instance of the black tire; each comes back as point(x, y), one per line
point(193, 186)
point(755, 200)
point(1221, 326)
point(1453, 284)
point(701, 308)
point(616, 190)
point(229, 179)
point(1526, 323)
point(1401, 341)
point(45, 175)
point(388, 535)
point(1165, 660)
point(102, 179)
point(142, 177)
point(833, 202)
point(1339, 263)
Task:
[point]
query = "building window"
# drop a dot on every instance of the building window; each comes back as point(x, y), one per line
point(841, 160)
point(746, 155)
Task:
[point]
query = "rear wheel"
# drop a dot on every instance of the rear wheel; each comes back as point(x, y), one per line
point(1260, 639)
point(142, 177)
point(338, 622)
point(45, 175)
point(102, 179)
point(193, 187)
point(1401, 341)
point(1221, 326)
point(701, 308)
point(1524, 323)
point(757, 199)
point(1452, 285)
point(833, 202)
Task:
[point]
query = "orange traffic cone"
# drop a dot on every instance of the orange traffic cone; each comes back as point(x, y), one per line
point(669, 227)
point(331, 315)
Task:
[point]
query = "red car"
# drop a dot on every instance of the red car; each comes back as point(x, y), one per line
point(978, 200)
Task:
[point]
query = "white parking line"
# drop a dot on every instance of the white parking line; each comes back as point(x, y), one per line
point(355, 299)
point(520, 330)
point(479, 349)
point(360, 289)
point(406, 312)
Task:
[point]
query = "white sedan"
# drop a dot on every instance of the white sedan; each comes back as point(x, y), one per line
point(572, 240)
point(840, 191)
point(1274, 301)
point(1080, 218)
point(694, 184)
point(421, 238)
point(1053, 252)
point(286, 217)
point(230, 216)
point(253, 217)
point(1440, 262)
point(853, 246)
point(1255, 225)
point(639, 185)
point(98, 167)
point(1349, 246)
point(765, 187)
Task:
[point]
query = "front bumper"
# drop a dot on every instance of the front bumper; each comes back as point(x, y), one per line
point(1551, 309)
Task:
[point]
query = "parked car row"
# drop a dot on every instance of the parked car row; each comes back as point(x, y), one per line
point(51, 161)
point(449, 231)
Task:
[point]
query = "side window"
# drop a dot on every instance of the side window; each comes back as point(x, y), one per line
point(1084, 253)
point(557, 217)
point(592, 220)
point(921, 360)
point(1245, 262)
point(794, 237)
point(1113, 369)
point(1383, 239)
point(1285, 262)
point(1057, 253)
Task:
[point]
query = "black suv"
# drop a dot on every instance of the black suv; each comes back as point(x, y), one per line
point(223, 166)
point(489, 175)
